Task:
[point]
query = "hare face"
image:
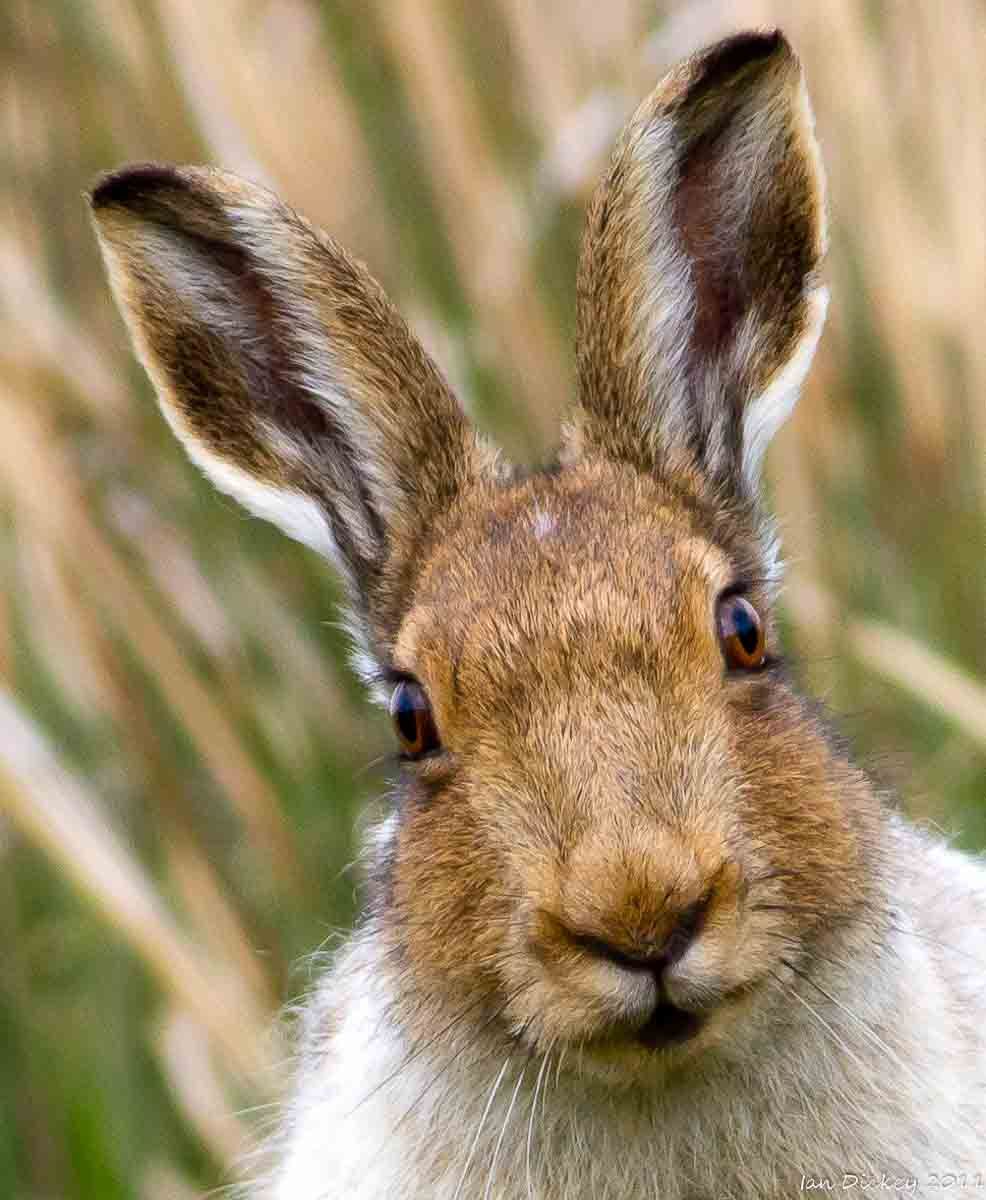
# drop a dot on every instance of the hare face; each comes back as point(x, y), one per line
point(613, 826)
point(603, 840)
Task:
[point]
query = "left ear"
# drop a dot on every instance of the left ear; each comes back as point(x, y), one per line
point(699, 301)
point(288, 375)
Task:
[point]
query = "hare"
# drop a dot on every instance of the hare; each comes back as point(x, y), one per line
point(637, 925)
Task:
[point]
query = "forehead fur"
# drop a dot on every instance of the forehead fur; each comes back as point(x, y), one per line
point(595, 563)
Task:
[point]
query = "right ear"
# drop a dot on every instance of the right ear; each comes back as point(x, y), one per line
point(287, 374)
point(700, 301)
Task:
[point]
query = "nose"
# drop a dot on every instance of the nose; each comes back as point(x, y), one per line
point(664, 1024)
point(655, 959)
point(634, 925)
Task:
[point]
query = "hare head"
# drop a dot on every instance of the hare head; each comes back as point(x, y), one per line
point(615, 816)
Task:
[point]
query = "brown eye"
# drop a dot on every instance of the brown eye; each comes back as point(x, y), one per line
point(413, 721)
point(741, 634)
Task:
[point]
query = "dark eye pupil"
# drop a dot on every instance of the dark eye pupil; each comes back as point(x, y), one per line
point(740, 633)
point(746, 629)
point(407, 715)
point(413, 722)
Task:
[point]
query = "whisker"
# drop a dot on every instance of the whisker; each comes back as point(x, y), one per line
point(482, 1122)
point(834, 1033)
point(877, 928)
point(866, 1030)
point(506, 1121)
point(797, 944)
point(925, 937)
point(794, 910)
point(392, 758)
point(455, 1057)
point(780, 873)
point(530, 1125)
point(561, 1057)
point(482, 998)
point(440, 1074)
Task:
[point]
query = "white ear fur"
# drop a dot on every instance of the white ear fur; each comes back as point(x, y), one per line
point(295, 514)
point(666, 311)
point(765, 414)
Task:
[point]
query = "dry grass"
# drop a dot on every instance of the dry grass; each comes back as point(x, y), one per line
point(180, 744)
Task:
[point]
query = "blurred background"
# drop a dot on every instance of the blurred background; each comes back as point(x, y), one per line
point(185, 762)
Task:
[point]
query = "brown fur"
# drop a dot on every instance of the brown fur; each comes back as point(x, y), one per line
point(573, 784)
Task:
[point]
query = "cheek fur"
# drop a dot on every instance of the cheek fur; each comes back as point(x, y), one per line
point(811, 814)
point(447, 893)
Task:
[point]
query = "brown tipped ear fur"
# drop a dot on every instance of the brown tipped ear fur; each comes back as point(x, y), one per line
point(699, 304)
point(286, 372)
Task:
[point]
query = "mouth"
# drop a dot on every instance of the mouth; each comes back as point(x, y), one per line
point(668, 1026)
point(667, 1038)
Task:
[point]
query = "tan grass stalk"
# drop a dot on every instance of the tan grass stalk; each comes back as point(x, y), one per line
point(41, 482)
point(37, 336)
point(185, 1053)
point(950, 104)
point(483, 215)
point(207, 903)
point(550, 88)
point(925, 675)
point(53, 809)
point(6, 631)
point(69, 640)
point(216, 921)
point(928, 676)
point(604, 38)
point(311, 682)
point(171, 564)
point(162, 1181)
point(218, 613)
point(265, 92)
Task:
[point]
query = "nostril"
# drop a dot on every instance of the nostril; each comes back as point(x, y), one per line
point(686, 929)
point(645, 958)
point(599, 948)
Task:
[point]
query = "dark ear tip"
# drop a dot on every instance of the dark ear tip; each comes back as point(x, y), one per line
point(751, 45)
point(133, 186)
point(752, 48)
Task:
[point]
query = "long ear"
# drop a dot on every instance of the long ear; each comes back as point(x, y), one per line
point(285, 371)
point(699, 303)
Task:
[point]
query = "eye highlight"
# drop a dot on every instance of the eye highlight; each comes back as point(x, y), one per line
point(741, 634)
point(414, 724)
